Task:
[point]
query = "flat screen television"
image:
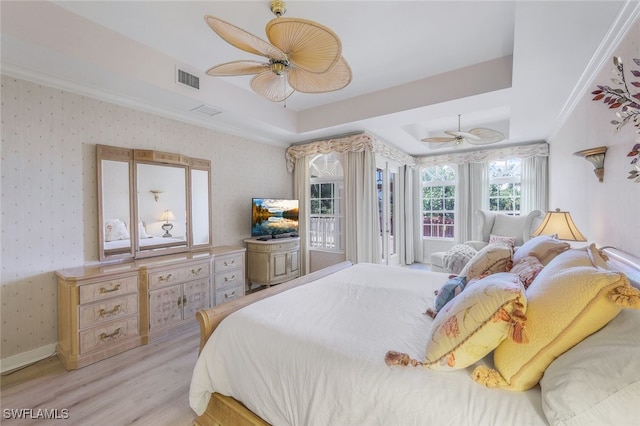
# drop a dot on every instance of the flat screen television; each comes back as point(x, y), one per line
point(273, 217)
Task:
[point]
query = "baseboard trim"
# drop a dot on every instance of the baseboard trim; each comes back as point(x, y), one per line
point(25, 358)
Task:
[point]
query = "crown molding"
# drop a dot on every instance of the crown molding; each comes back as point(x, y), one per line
point(626, 19)
point(23, 73)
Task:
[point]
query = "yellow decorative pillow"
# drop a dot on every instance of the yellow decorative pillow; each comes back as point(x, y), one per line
point(472, 324)
point(569, 300)
point(492, 258)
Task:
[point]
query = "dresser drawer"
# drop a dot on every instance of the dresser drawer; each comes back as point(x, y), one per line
point(108, 334)
point(110, 288)
point(109, 309)
point(224, 263)
point(229, 293)
point(274, 247)
point(229, 278)
point(178, 275)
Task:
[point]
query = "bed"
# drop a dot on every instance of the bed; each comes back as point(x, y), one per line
point(312, 351)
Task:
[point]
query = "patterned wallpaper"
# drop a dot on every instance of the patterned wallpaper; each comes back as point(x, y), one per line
point(49, 206)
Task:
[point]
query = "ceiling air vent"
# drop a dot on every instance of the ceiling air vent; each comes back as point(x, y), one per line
point(207, 110)
point(188, 79)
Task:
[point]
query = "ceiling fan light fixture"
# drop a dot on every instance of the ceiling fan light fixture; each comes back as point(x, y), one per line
point(278, 67)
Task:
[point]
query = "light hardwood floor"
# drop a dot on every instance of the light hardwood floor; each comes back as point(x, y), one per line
point(148, 385)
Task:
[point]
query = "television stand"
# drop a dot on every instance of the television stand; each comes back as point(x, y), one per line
point(272, 261)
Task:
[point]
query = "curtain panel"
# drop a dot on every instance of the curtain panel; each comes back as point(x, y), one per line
point(362, 219)
point(302, 191)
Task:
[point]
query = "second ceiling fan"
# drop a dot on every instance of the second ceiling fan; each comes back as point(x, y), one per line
point(475, 136)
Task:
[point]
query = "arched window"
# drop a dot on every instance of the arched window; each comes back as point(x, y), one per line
point(326, 202)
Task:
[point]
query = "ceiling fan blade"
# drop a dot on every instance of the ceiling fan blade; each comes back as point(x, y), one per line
point(485, 136)
point(335, 79)
point(438, 139)
point(243, 40)
point(271, 86)
point(308, 45)
point(238, 68)
point(463, 135)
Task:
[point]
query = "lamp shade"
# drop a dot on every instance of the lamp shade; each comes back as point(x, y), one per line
point(560, 224)
point(167, 215)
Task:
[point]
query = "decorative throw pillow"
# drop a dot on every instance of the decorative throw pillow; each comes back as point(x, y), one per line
point(473, 324)
point(492, 258)
point(596, 374)
point(114, 230)
point(510, 241)
point(527, 269)
point(457, 257)
point(544, 247)
point(448, 291)
point(569, 300)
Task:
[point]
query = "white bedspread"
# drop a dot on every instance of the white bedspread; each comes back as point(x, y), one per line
point(314, 355)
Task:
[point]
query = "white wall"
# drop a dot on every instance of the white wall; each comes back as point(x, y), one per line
point(606, 213)
point(49, 205)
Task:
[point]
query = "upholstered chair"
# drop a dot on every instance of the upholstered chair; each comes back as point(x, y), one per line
point(499, 224)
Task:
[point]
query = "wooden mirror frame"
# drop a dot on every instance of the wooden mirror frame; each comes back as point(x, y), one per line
point(133, 158)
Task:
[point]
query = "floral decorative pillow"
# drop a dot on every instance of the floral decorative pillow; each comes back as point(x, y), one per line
point(527, 269)
point(544, 247)
point(115, 229)
point(510, 241)
point(492, 258)
point(473, 324)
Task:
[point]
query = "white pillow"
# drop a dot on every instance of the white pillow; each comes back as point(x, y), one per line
point(597, 382)
point(115, 229)
point(142, 232)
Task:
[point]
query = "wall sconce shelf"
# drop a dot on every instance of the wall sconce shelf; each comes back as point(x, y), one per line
point(596, 157)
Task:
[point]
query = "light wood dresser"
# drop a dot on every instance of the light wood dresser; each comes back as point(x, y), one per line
point(175, 291)
point(273, 261)
point(229, 274)
point(98, 313)
point(104, 310)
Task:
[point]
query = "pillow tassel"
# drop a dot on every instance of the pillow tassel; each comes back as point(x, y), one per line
point(488, 377)
point(517, 331)
point(399, 358)
point(625, 296)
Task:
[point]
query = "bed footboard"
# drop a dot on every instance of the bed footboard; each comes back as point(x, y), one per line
point(210, 318)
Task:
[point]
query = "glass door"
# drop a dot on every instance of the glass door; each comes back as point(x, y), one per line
point(387, 183)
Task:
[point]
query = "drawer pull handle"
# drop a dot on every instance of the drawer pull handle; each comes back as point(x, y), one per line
point(229, 263)
point(227, 296)
point(105, 313)
point(182, 300)
point(233, 277)
point(105, 336)
point(194, 272)
point(163, 278)
point(111, 290)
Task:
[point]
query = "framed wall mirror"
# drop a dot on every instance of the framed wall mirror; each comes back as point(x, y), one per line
point(151, 203)
point(115, 210)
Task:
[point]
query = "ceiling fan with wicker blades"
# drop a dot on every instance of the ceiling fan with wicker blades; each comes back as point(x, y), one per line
point(477, 136)
point(302, 56)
